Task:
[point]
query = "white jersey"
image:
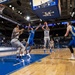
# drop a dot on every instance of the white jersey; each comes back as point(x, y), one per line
point(15, 35)
point(46, 33)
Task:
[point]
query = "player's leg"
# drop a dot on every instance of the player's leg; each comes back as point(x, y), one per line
point(50, 48)
point(14, 44)
point(22, 49)
point(30, 43)
point(21, 46)
point(50, 45)
point(28, 53)
point(31, 47)
point(53, 48)
point(45, 42)
point(48, 39)
point(18, 52)
point(71, 49)
point(27, 44)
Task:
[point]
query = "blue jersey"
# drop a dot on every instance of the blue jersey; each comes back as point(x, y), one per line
point(31, 34)
point(73, 32)
point(72, 42)
point(31, 37)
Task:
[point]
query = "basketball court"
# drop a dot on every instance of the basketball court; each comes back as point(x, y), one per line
point(41, 63)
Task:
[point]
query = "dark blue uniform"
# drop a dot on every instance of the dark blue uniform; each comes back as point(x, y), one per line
point(72, 42)
point(31, 37)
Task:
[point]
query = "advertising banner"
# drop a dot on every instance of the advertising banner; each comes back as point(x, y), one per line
point(46, 9)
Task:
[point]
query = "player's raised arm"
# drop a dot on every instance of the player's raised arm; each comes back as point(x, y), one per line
point(67, 31)
point(29, 27)
point(38, 26)
point(17, 29)
point(21, 31)
point(47, 27)
point(43, 27)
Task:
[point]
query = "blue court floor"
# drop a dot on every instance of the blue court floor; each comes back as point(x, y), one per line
point(10, 64)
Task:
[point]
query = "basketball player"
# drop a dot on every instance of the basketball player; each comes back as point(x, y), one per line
point(31, 38)
point(16, 43)
point(51, 45)
point(46, 34)
point(71, 29)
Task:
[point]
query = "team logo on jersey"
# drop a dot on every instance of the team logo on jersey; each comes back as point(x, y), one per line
point(46, 32)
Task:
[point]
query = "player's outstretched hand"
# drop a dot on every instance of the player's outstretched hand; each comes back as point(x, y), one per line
point(22, 29)
point(40, 24)
point(29, 25)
